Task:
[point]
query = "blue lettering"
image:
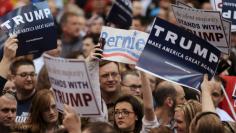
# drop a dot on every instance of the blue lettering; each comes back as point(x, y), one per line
point(117, 40)
point(110, 41)
point(138, 43)
point(126, 40)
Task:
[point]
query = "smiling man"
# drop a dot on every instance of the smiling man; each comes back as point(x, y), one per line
point(110, 80)
point(24, 77)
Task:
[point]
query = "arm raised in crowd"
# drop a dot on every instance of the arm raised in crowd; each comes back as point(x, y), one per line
point(147, 99)
point(207, 103)
point(71, 120)
point(9, 53)
point(95, 54)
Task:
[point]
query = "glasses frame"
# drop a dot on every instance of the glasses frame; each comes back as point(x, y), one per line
point(25, 75)
point(123, 113)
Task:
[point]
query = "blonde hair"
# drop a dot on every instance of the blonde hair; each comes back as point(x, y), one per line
point(190, 109)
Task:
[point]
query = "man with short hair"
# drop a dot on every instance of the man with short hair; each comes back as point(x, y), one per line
point(71, 39)
point(8, 106)
point(109, 77)
point(131, 83)
point(217, 96)
point(24, 77)
point(165, 97)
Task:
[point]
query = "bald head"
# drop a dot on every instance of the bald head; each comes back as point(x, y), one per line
point(180, 94)
point(163, 91)
point(180, 98)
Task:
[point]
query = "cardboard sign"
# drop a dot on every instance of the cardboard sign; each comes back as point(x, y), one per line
point(216, 5)
point(175, 54)
point(71, 85)
point(123, 46)
point(121, 14)
point(205, 24)
point(34, 26)
point(229, 12)
point(226, 24)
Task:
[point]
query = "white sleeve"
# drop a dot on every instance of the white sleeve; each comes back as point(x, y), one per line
point(148, 125)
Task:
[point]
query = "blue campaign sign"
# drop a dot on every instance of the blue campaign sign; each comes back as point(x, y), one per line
point(121, 14)
point(229, 12)
point(34, 27)
point(175, 54)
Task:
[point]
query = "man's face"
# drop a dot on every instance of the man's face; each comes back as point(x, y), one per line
point(109, 77)
point(25, 78)
point(216, 94)
point(7, 111)
point(132, 85)
point(72, 27)
point(180, 124)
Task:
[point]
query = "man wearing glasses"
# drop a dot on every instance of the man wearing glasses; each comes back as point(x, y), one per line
point(131, 83)
point(24, 77)
point(109, 77)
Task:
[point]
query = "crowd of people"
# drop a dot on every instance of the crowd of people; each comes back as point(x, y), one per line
point(132, 101)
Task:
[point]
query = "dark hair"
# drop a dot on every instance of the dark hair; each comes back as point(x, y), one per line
point(100, 127)
point(142, 19)
point(17, 63)
point(164, 89)
point(138, 110)
point(94, 37)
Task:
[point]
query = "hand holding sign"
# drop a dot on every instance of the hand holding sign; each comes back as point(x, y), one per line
point(10, 48)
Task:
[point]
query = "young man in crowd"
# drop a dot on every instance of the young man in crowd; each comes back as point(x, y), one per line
point(24, 77)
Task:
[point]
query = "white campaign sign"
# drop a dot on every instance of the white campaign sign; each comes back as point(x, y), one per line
point(123, 46)
point(226, 24)
point(207, 25)
point(72, 85)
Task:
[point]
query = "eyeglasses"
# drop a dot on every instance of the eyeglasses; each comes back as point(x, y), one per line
point(133, 87)
point(112, 74)
point(24, 75)
point(124, 113)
